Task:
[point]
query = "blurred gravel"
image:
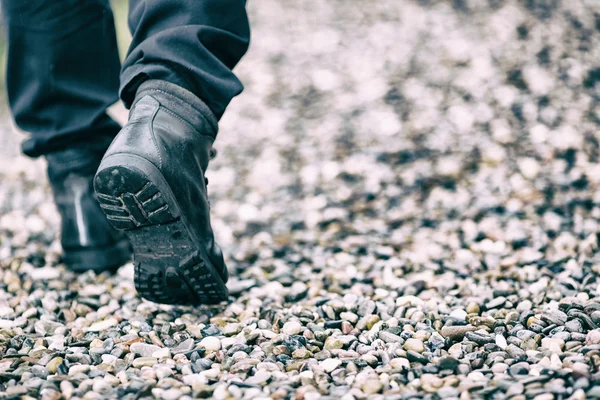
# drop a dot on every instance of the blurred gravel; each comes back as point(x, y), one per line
point(407, 192)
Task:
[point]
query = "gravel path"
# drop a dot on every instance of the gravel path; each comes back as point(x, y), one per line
point(407, 193)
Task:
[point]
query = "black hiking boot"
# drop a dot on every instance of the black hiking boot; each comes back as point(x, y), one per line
point(151, 185)
point(89, 242)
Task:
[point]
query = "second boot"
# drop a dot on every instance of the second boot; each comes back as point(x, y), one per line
point(89, 242)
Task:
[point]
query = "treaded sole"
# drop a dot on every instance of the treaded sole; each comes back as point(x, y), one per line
point(170, 266)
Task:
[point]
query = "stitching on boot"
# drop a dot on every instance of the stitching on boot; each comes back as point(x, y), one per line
point(160, 161)
point(200, 112)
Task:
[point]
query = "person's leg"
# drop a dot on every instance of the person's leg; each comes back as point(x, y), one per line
point(193, 44)
point(62, 71)
point(178, 80)
point(62, 74)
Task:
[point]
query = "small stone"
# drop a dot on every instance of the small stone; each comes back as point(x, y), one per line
point(389, 337)
point(555, 317)
point(162, 353)
point(45, 273)
point(210, 343)
point(501, 341)
point(399, 363)
point(39, 371)
point(593, 337)
point(413, 356)
point(495, 303)
point(524, 305)
point(144, 362)
point(292, 328)
point(162, 371)
point(372, 386)
point(431, 383)
point(101, 387)
point(473, 308)
point(53, 364)
point(171, 394)
point(366, 308)
point(301, 354)
point(332, 343)
point(349, 316)
point(330, 364)
point(448, 363)
point(6, 324)
point(459, 314)
point(555, 345)
point(414, 345)
point(346, 327)
point(67, 389)
point(448, 392)
point(457, 333)
point(232, 329)
point(499, 368)
point(143, 349)
point(261, 378)
point(183, 347)
point(456, 351)
point(574, 325)
point(103, 325)
point(108, 359)
point(515, 352)
point(78, 369)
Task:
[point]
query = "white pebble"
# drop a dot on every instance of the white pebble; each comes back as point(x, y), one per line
point(292, 328)
point(211, 343)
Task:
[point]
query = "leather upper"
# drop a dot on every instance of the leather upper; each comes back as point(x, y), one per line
point(174, 130)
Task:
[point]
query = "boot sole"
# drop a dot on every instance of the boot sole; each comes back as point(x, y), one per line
point(170, 265)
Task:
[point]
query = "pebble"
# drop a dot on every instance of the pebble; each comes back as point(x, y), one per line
point(431, 383)
point(414, 345)
point(448, 363)
point(78, 369)
point(553, 344)
point(103, 325)
point(183, 347)
point(372, 386)
point(333, 343)
point(459, 314)
point(457, 332)
point(292, 328)
point(210, 343)
point(389, 337)
point(53, 364)
point(593, 337)
point(330, 364)
point(501, 342)
point(143, 349)
point(144, 362)
point(161, 353)
point(399, 363)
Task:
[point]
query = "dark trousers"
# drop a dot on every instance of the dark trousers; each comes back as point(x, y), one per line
point(64, 71)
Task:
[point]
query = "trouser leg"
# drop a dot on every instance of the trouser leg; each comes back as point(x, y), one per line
point(191, 43)
point(62, 71)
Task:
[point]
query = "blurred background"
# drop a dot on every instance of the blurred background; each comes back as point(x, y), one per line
point(382, 120)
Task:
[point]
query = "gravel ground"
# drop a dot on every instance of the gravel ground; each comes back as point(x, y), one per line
point(407, 192)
